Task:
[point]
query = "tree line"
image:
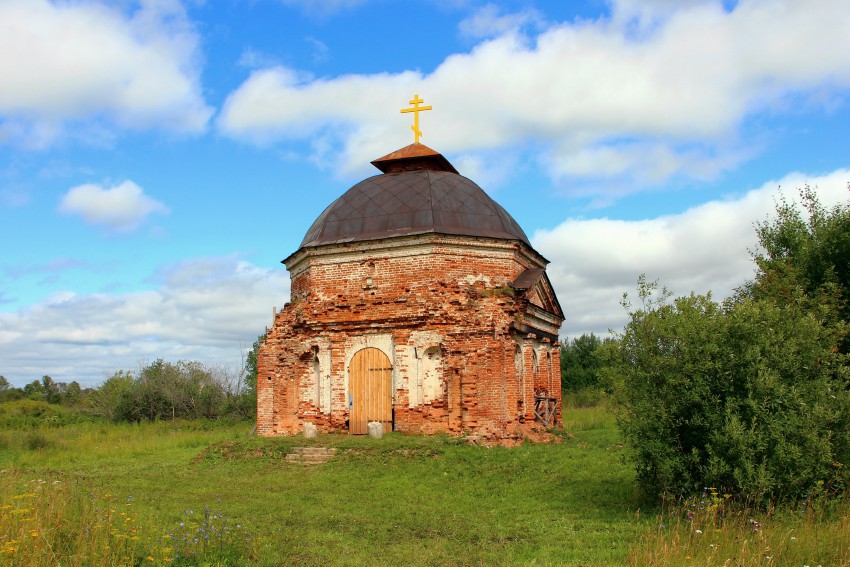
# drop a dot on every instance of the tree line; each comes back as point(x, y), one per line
point(159, 390)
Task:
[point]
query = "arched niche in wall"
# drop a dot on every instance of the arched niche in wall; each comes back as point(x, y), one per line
point(433, 380)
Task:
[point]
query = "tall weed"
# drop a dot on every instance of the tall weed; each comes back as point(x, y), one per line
point(714, 530)
point(587, 418)
point(52, 522)
point(583, 398)
point(57, 521)
point(36, 440)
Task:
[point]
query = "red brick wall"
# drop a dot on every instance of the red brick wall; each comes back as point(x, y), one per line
point(404, 296)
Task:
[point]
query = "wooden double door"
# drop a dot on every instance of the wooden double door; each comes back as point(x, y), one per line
point(370, 388)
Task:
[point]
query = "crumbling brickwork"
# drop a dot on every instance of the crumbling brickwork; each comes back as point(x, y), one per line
point(443, 311)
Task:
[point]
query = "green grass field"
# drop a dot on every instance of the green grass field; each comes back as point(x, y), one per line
point(92, 494)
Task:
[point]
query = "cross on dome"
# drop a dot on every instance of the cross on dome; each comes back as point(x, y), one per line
point(416, 110)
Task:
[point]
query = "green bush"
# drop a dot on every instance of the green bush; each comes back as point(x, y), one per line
point(36, 440)
point(27, 414)
point(173, 390)
point(749, 398)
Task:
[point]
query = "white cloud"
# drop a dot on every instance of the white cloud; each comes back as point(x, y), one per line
point(489, 21)
point(253, 59)
point(677, 84)
point(64, 62)
point(490, 169)
point(321, 53)
point(703, 249)
point(121, 209)
point(610, 170)
point(205, 309)
point(279, 103)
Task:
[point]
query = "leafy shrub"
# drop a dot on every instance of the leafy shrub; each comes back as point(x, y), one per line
point(171, 390)
point(750, 398)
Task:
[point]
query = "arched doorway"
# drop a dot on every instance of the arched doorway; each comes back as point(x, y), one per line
point(370, 388)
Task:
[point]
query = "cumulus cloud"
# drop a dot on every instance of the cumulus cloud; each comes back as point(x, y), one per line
point(207, 309)
point(120, 209)
point(279, 103)
point(608, 170)
point(64, 62)
point(706, 248)
point(672, 79)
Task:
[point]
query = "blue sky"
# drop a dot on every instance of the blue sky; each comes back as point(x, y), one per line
point(159, 158)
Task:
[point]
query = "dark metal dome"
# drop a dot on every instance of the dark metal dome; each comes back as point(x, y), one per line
point(412, 202)
point(419, 192)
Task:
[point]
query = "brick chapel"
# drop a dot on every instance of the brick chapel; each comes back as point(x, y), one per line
point(418, 302)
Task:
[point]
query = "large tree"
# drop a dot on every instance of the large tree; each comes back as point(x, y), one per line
point(805, 258)
point(580, 363)
point(9, 392)
point(251, 365)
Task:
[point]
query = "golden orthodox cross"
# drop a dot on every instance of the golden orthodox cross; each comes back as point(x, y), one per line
point(416, 110)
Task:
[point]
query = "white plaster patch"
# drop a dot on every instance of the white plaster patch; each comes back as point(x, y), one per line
point(475, 278)
point(325, 382)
